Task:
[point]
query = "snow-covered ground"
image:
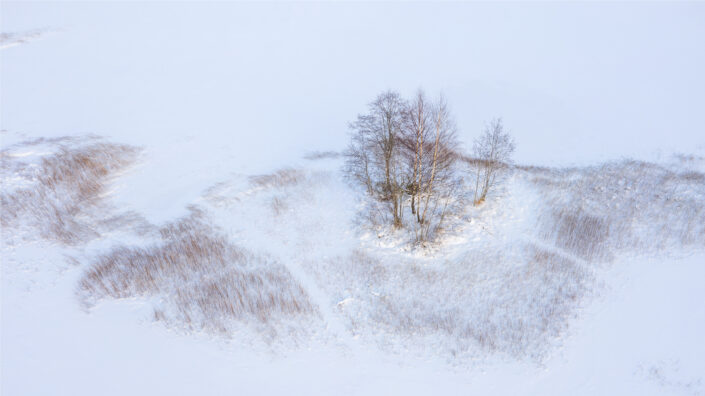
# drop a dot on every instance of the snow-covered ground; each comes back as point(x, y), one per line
point(145, 132)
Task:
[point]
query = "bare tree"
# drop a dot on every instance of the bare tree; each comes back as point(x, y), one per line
point(373, 157)
point(492, 151)
point(429, 142)
point(438, 181)
point(417, 120)
point(358, 160)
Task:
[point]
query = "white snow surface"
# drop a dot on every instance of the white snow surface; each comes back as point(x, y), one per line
point(217, 95)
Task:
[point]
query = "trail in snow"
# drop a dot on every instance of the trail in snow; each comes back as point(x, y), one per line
point(332, 319)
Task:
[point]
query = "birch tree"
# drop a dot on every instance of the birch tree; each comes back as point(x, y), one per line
point(373, 156)
point(492, 151)
point(438, 181)
point(417, 120)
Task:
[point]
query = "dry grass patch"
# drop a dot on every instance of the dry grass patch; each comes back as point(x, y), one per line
point(621, 206)
point(285, 177)
point(9, 39)
point(279, 204)
point(203, 281)
point(320, 155)
point(514, 303)
point(61, 194)
point(583, 234)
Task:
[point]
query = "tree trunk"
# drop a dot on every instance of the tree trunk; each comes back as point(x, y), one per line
point(433, 170)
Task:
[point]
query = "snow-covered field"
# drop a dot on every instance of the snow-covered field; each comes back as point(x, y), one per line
point(175, 220)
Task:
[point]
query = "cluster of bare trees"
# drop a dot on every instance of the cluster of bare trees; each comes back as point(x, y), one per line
point(405, 154)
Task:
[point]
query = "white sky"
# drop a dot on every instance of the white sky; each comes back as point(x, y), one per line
point(574, 82)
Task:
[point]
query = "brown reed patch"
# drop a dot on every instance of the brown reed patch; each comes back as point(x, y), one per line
point(61, 195)
point(204, 281)
point(621, 206)
point(282, 178)
point(320, 155)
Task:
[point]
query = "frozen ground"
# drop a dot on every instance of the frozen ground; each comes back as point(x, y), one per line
point(196, 244)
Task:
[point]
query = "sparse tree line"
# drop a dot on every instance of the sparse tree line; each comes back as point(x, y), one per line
point(406, 154)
